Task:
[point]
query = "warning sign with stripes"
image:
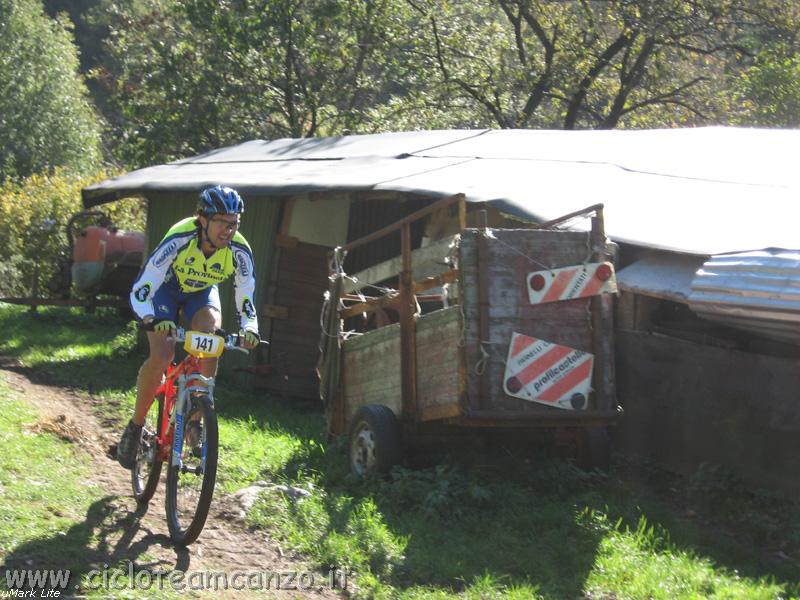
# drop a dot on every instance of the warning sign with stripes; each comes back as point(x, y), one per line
point(544, 372)
point(579, 281)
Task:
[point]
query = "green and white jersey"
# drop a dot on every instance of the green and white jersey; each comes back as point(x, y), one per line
point(179, 256)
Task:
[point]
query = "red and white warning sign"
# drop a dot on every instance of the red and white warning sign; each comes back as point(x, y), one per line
point(544, 372)
point(579, 281)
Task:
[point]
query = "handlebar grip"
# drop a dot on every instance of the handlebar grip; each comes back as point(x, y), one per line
point(151, 325)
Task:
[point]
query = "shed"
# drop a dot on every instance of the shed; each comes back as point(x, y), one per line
point(673, 200)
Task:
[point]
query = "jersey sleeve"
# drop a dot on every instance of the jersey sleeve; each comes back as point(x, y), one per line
point(244, 284)
point(155, 270)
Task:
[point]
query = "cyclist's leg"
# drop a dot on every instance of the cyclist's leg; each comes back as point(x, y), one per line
point(165, 304)
point(206, 319)
point(162, 352)
point(203, 312)
point(149, 378)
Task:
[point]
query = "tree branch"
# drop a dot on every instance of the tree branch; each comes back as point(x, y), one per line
point(628, 81)
point(624, 40)
point(516, 21)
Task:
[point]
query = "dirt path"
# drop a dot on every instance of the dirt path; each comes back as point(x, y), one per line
point(120, 532)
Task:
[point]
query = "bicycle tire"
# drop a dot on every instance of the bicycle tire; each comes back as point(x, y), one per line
point(187, 506)
point(144, 486)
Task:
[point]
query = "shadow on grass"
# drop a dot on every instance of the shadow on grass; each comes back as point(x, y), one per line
point(521, 522)
point(105, 538)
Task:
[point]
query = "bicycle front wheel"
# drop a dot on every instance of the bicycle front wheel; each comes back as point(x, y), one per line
point(147, 470)
point(190, 484)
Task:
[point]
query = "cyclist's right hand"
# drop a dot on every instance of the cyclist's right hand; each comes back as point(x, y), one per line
point(165, 328)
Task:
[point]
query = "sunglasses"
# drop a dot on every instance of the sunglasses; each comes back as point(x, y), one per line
point(228, 225)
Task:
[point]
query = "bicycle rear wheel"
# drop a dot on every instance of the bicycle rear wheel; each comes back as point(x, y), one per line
point(147, 470)
point(190, 485)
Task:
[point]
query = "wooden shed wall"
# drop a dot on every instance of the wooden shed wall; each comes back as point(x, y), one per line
point(301, 279)
point(687, 403)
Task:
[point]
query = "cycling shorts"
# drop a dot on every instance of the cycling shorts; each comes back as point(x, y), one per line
point(168, 299)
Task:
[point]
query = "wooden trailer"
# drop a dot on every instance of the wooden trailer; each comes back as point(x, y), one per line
point(502, 328)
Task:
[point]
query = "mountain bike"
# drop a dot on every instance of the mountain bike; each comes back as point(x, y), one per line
point(181, 430)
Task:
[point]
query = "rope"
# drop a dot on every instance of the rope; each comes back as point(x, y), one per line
point(488, 233)
point(480, 366)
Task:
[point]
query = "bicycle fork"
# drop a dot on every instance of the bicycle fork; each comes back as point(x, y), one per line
point(182, 406)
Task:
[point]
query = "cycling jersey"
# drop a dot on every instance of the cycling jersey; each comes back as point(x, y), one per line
point(178, 257)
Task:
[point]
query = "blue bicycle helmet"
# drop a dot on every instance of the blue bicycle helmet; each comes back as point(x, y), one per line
point(220, 200)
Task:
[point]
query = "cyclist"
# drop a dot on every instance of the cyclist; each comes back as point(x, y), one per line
point(183, 271)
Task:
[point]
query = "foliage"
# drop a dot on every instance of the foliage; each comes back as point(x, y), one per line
point(649, 565)
point(769, 91)
point(193, 75)
point(180, 77)
point(585, 64)
point(46, 120)
point(442, 492)
point(33, 214)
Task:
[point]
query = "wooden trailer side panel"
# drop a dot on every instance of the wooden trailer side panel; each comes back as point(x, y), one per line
point(501, 264)
point(371, 367)
point(371, 371)
point(441, 378)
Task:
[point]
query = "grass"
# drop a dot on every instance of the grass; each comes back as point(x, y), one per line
point(494, 527)
point(43, 482)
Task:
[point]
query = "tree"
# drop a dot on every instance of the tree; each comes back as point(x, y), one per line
point(766, 88)
point(46, 120)
point(583, 63)
point(192, 75)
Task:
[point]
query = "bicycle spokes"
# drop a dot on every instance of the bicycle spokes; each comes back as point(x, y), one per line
point(146, 471)
point(190, 481)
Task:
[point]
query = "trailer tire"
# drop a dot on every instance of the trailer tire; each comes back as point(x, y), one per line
point(374, 443)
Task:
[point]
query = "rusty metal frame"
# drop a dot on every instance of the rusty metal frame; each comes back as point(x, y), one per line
point(406, 297)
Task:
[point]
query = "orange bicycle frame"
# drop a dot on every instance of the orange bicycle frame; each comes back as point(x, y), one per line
point(187, 366)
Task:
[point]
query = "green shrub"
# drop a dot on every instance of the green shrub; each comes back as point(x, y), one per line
point(33, 215)
point(442, 492)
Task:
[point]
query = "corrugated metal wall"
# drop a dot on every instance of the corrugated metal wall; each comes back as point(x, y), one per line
point(259, 224)
point(756, 291)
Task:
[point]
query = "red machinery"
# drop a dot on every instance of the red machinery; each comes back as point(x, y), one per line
point(100, 260)
point(105, 260)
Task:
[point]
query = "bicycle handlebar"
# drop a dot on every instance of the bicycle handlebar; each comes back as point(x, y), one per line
point(232, 340)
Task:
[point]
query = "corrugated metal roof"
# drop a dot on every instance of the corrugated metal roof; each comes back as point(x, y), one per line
point(666, 275)
point(702, 191)
point(757, 291)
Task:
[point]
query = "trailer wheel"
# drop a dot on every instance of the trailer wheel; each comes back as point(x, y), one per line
point(374, 440)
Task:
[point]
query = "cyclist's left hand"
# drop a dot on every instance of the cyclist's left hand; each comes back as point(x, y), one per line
point(250, 339)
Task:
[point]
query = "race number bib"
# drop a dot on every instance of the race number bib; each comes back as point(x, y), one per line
point(203, 345)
